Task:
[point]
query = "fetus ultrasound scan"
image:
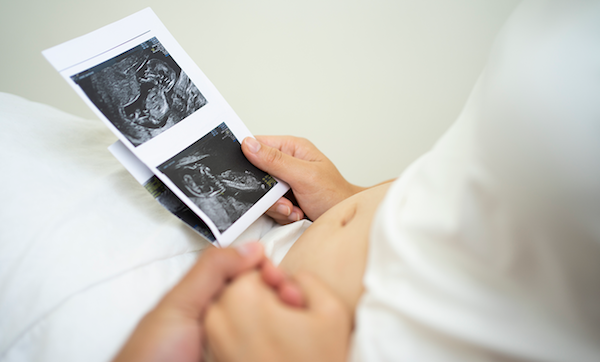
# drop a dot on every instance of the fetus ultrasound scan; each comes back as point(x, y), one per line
point(142, 92)
point(216, 176)
point(171, 202)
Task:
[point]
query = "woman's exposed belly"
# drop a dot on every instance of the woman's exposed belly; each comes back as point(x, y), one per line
point(334, 247)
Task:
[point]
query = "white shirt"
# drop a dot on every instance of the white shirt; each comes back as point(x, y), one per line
point(488, 247)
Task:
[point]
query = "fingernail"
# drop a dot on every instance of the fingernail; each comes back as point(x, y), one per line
point(294, 216)
point(253, 145)
point(283, 209)
point(248, 249)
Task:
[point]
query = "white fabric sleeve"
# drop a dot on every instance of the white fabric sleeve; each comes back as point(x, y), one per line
point(488, 247)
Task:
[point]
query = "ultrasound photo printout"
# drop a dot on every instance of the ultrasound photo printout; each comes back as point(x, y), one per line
point(216, 176)
point(142, 92)
point(171, 202)
point(159, 191)
point(176, 133)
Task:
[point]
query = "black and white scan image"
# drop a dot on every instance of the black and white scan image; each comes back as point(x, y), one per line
point(143, 92)
point(171, 202)
point(214, 173)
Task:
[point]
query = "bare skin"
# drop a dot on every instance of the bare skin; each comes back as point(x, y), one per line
point(332, 255)
point(315, 181)
point(305, 317)
point(334, 247)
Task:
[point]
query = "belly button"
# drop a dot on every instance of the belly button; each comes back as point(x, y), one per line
point(349, 215)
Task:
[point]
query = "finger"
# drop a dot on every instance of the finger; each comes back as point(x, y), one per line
point(281, 209)
point(293, 146)
point(287, 290)
point(291, 294)
point(275, 162)
point(214, 269)
point(319, 297)
point(281, 220)
point(271, 274)
point(286, 214)
point(296, 214)
point(297, 147)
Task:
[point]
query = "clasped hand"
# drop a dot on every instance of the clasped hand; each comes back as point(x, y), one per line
point(239, 304)
point(245, 309)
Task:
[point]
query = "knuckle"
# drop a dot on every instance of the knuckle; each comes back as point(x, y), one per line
point(273, 156)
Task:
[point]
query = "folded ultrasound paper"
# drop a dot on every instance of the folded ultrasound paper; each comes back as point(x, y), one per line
point(177, 134)
point(158, 190)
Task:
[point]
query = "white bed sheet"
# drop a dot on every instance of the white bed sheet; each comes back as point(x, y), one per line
point(85, 251)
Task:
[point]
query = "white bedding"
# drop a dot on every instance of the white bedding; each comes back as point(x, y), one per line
point(85, 251)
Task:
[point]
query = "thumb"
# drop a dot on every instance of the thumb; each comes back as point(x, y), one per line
point(213, 270)
point(273, 161)
point(319, 297)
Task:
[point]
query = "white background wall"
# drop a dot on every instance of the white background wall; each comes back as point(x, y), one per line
point(373, 83)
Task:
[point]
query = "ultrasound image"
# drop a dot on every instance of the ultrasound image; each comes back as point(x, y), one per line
point(143, 92)
point(171, 202)
point(214, 173)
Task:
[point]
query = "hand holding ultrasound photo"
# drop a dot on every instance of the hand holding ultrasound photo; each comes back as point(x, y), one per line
point(177, 134)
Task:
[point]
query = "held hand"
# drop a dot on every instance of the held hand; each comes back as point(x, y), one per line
point(173, 330)
point(314, 179)
point(250, 323)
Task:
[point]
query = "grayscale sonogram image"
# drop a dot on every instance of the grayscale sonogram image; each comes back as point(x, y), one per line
point(142, 92)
